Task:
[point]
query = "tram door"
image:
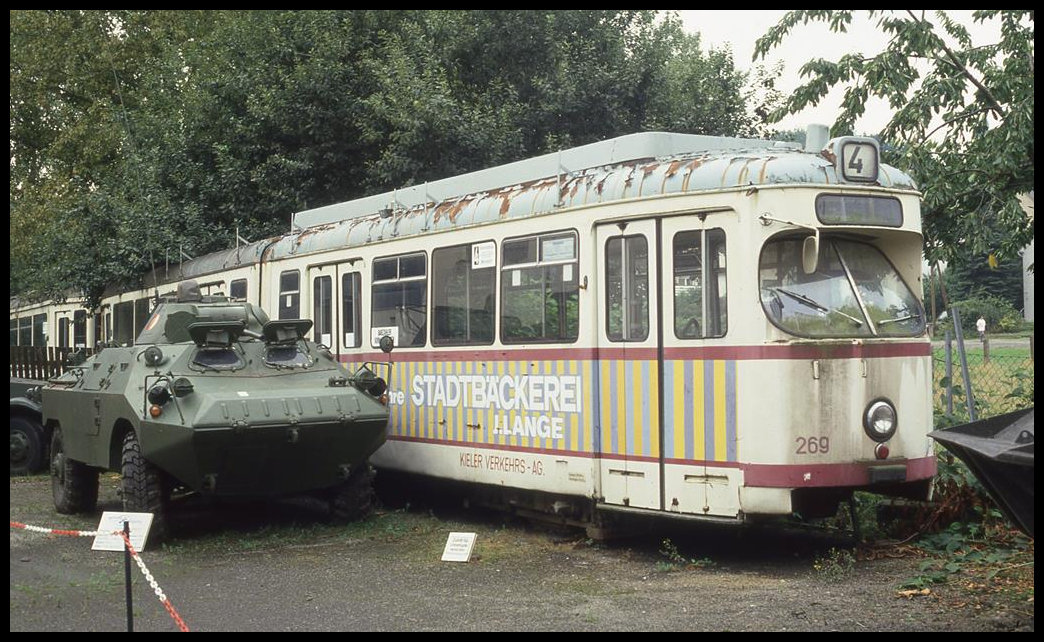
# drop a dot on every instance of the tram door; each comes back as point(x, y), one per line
point(630, 432)
point(335, 290)
point(698, 377)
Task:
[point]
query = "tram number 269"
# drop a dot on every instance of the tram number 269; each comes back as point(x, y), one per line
point(813, 445)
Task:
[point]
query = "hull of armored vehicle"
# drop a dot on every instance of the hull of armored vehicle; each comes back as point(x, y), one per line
point(242, 437)
point(214, 398)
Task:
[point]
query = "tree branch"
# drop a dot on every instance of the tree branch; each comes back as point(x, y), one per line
point(994, 103)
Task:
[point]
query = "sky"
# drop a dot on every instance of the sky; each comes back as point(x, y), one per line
point(805, 42)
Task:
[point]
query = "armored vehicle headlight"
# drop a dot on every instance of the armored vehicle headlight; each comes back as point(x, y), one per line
point(159, 395)
point(153, 356)
point(181, 387)
point(880, 420)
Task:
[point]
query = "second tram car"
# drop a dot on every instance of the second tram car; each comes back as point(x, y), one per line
point(655, 324)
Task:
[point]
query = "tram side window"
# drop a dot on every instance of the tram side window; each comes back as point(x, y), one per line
point(141, 314)
point(400, 305)
point(290, 294)
point(700, 309)
point(14, 332)
point(63, 332)
point(99, 327)
point(351, 291)
point(627, 287)
point(322, 309)
point(539, 293)
point(237, 290)
point(463, 288)
point(25, 331)
point(123, 323)
point(40, 330)
point(80, 329)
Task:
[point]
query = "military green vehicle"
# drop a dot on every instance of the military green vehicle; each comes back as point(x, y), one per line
point(215, 399)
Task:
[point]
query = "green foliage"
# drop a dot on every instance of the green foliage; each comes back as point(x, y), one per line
point(965, 548)
point(675, 560)
point(139, 133)
point(836, 565)
point(962, 119)
point(999, 314)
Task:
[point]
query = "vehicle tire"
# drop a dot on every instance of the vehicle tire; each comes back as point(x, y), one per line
point(355, 498)
point(143, 487)
point(74, 484)
point(28, 454)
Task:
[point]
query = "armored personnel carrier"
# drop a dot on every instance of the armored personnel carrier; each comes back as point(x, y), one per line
point(215, 398)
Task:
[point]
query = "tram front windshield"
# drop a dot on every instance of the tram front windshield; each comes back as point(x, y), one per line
point(854, 292)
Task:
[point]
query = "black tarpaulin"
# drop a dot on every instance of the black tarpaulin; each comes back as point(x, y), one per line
point(999, 452)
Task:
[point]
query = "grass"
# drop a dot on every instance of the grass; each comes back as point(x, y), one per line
point(1004, 384)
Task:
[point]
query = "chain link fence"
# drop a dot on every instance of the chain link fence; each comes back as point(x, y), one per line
point(993, 376)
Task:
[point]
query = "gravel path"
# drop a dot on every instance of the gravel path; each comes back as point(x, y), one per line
point(281, 569)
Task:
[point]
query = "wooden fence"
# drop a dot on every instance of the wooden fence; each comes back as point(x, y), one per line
point(32, 362)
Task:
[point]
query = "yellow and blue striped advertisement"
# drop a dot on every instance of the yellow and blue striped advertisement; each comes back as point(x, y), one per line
point(607, 407)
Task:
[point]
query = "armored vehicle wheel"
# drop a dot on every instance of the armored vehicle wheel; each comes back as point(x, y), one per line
point(144, 487)
point(355, 498)
point(74, 484)
point(27, 446)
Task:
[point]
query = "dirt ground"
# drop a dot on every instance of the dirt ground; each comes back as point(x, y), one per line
point(283, 567)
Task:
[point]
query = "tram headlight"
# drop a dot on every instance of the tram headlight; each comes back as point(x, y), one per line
point(880, 420)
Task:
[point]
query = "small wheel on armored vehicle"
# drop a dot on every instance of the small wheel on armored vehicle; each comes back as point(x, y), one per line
point(355, 499)
point(143, 487)
point(74, 484)
point(28, 454)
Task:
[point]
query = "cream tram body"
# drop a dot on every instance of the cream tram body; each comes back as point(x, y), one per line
point(637, 334)
point(613, 402)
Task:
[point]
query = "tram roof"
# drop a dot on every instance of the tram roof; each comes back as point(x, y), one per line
point(632, 147)
point(647, 164)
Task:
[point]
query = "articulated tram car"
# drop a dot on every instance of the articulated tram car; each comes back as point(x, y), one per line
point(655, 324)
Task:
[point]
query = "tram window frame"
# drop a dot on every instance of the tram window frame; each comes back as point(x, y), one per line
point(79, 326)
point(289, 294)
point(627, 317)
point(142, 312)
point(397, 277)
point(99, 326)
point(351, 309)
point(237, 290)
point(123, 316)
point(63, 332)
point(455, 276)
point(25, 331)
point(322, 309)
point(712, 309)
point(537, 259)
point(40, 329)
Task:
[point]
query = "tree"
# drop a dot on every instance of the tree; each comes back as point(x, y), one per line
point(962, 124)
point(136, 134)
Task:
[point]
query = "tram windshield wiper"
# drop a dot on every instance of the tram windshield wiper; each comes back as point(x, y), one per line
point(898, 319)
point(815, 305)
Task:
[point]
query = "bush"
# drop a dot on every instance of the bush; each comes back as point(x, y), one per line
point(1000, 315)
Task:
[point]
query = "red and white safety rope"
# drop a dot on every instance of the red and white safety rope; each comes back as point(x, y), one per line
point(137, 558)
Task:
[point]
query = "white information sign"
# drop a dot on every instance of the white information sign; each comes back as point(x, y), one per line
point(390, 331)
point(483, 255)
point(458, 547)
point(113, 521)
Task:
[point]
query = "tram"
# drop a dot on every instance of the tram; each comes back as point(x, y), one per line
point(658, 324)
